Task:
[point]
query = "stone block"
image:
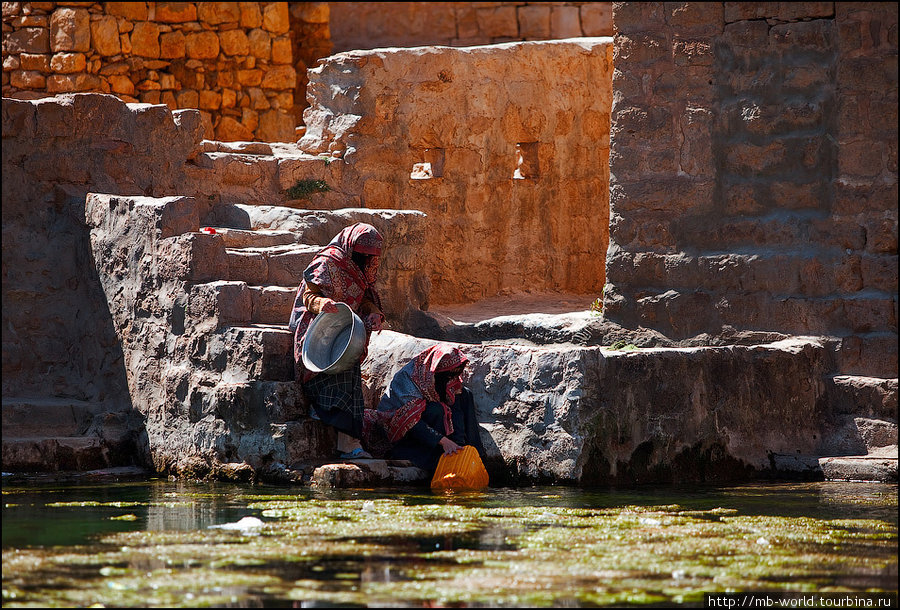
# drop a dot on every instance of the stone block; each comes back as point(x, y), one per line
point(747, 34)
point(27, 79)
point(234, 42)
point(251, 16)
point(172, 45)
point(251, 353)
point(497, 22)
point(565, 22)
point(861, 159)
point(145, 40)
point(740, 11)
point(276, 18)
point(272, 304)
point(631, 17)
point(105, 36)
point(838, 231)
point(596, 18)
point(260, 44)
point(247, 266)
point(534, 22)
point(250, 78)
point(286, 265)
point(68, 63)
point(70, 30)
point(276, 126)
point(176, 12)
point(696, 52)
point(279, 77)
point(642, 48)
point(31, 61)
point(73, 83)
point(26, 40)
point(221, 303)
point(281, 50)
point(867, 74)
point(121, 84)
point(790, 11)
point(203, 45)
point(216, 13)
point(133, 11)
point(879, 273)
point(691, 18)
point(804, 36)
point(881, 233)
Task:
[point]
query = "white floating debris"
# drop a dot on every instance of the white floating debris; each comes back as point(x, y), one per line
point(368, 506)
point(679, 574)
point(245, 524)
point(762, 541)
point(649, 521)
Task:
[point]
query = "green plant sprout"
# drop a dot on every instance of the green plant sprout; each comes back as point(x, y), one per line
point(302, 189)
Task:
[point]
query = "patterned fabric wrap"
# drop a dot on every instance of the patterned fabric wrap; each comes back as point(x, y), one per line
point(412, 388)
point(339, 279)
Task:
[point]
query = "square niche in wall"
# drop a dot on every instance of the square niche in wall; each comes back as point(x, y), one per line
point(431, 166)
point(527, 166)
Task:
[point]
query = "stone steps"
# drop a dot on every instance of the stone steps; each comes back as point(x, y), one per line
point(26, 417)
point(225, 303)
point(41, 453)
point(222, 172)
point(59, 434)
point(239, 354)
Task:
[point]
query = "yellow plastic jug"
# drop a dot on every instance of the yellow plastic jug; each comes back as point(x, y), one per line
point(462, 470)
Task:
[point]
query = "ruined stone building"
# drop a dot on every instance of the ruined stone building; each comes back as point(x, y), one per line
point(722, 177)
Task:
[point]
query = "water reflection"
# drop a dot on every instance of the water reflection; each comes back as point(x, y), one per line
point(556, 546)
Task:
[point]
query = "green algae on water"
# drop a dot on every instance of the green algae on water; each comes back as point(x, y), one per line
point(501, 548)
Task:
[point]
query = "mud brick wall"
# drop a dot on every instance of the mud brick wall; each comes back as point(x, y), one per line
point(235, 61)
point(504, 147)
point(754, 172)
point(370, 25)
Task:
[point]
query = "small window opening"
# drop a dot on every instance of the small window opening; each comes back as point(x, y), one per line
point(432, 165)
point(527, 166)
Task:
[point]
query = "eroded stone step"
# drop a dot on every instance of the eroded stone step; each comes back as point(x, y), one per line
point(54, 453)
point(314, 226)
point(227, 303)
point(261, 238)
point(27, 417)
point(862, 396)
point(273, 265)
point(240, 354)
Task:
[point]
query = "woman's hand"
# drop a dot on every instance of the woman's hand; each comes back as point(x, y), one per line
point(374, 321)
point(449, 446)
point(329, 306)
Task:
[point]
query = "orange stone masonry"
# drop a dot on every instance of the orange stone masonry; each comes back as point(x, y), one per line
point(234, 61)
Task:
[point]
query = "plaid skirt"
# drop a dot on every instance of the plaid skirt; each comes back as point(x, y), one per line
point(337, 400)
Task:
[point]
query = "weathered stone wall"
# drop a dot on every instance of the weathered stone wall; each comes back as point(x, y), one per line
point(58, 337)
point(754, 172)
point(232, 60)
point(504, 147)
point(369, 25)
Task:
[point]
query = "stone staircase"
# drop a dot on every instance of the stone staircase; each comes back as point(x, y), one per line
point(220, 278)
point(72, 434)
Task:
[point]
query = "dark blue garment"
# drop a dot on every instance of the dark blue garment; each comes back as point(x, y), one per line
point(421, 445)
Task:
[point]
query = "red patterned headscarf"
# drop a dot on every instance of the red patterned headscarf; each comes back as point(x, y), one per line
point(340, 279)
point(413, 387)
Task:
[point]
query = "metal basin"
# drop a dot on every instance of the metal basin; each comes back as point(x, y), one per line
point(334, 341)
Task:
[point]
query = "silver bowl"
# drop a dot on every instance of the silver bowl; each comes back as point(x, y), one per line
point(334, 341)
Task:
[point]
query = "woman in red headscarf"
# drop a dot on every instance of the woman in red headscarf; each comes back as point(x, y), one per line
point(343, 271)
point(426, 412)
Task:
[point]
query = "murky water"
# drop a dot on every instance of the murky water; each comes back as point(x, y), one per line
point(160, 543)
